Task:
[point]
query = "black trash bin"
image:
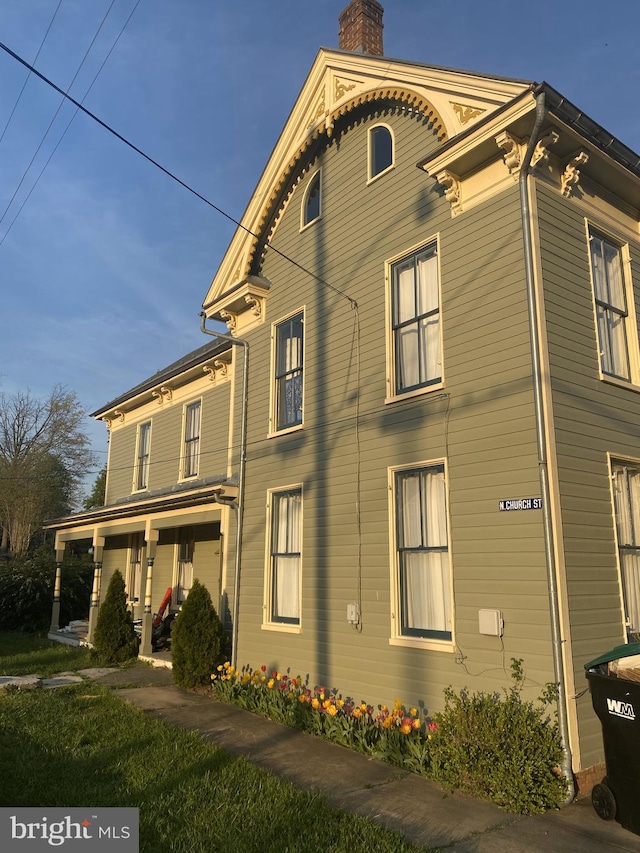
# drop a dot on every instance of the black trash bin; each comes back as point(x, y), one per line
point(616, 701)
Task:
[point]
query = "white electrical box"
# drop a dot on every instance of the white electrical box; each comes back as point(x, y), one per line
point(490, 622)
point(352, 613)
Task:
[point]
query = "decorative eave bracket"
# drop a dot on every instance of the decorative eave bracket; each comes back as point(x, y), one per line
point(162, 395)
point(116, 416)
point(571, 173)
point(243, 305)
point(452, 190)
point(512, 148)
point(541, 151)
point(218, 369)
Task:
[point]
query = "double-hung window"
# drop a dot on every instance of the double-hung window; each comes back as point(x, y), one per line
point(289, 346)
point(285, 557)
point(607, 274)
point(191, 454)
point(423, 588)
point(415, 321)
point(142, 456)
point(626, 497)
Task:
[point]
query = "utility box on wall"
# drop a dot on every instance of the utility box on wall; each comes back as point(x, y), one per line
point(491, 623)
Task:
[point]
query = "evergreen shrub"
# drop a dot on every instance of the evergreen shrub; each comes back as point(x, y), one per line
point(196, 639)
point(114, 638)
point(26, 591)
point(500, 747)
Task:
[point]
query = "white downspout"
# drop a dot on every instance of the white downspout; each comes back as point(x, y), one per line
point(241, 477)
point(541, 435)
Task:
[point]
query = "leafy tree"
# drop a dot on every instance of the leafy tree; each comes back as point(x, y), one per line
point(44, 454)
point(115, 639)
point(96, 498)
point(196, 639)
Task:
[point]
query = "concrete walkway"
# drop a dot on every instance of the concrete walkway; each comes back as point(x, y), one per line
point(418, 808)
point(35, 682)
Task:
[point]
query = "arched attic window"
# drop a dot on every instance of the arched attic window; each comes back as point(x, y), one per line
point(311, 202)
point(380, 150)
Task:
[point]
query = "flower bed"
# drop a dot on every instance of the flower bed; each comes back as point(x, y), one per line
point(394, 734)
point(494, 746)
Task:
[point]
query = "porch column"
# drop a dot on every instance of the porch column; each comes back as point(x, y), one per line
point(55, 610)
point(151, 538)
point(98, 545)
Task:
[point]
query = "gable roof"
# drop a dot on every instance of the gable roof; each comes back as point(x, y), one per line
point(338, 82)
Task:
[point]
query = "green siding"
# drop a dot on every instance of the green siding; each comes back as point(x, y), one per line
point(591, 418)
point(482, 423)
point(165, 448)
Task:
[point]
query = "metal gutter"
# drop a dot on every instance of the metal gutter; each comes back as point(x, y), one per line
point(541, 435)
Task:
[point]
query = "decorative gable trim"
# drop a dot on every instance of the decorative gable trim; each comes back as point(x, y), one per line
point(337, 84)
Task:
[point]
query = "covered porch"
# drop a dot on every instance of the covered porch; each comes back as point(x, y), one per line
point(159, 543)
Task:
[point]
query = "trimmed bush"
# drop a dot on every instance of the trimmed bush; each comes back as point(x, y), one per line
point(114, 639)
point(500, 748)
point(196, 639)
point(26, 591)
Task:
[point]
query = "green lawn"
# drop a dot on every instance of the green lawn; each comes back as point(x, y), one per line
point(32, 654)
point(82, 746)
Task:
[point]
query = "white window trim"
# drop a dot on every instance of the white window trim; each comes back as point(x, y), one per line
point(631, 325)
point(392, 396)
point(183, 438)
point(135, 487)
point(370, 177)
point(396, 636)
point(273, 391)
point(304, 225)
point(614, 460)
point(267, 623)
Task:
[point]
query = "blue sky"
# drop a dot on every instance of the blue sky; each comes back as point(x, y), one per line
point(104, 270)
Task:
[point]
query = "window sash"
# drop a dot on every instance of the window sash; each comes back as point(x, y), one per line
point(423, 553)
point(381, 150)
point(611, 306)
point(192, 440)
point(142, 462)
point(289, 372)
point(626, 495)
point(312, 201)
point(416, 321)
point(286, 556)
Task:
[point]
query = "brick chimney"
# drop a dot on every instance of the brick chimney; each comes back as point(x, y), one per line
point(361, 27)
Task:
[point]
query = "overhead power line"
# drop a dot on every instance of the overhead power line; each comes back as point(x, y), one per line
point(26, 80)
point(64, 132)
point(55, 115)
point(173, 177)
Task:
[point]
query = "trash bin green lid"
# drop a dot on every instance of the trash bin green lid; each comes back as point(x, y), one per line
point(623, 651)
